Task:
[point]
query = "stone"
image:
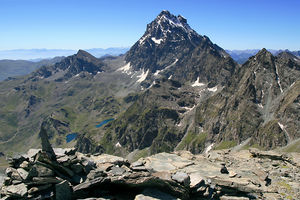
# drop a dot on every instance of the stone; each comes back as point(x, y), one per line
point(39, 188)
point(152, 194)
point(63, 159)
point(197, 180)
point(138, 163)
point(63, 191)
point(31, 153)
point(224, 170)
point(9, 171)
point(19, 190)
point(23, 173)
point(233, 198)
point(182, 178)
point(44, 180)
point(25, 165)
point(104, 166)
point(95, 174)
point(46, 146)
point(232, 174)
point(16, 161)
point(163, 175)
point(77, 168)
point(82, 190)
point(105, 158)
point(88, 165)
point(43, 171)
point(117, 171)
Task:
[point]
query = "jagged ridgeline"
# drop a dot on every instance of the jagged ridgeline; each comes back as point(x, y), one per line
point(173, 90)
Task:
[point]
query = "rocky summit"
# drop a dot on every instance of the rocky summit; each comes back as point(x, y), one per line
point(250, 174)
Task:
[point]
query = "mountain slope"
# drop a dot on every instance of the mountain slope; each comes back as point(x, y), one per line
point(249, 107)
point(12, 68)
point(169, 47)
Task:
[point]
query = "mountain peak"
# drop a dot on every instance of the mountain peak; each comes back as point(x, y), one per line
point(82, 53)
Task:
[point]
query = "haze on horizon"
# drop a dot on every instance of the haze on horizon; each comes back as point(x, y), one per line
point(232, 24)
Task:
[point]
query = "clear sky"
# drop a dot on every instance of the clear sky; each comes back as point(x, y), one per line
point(74, 24)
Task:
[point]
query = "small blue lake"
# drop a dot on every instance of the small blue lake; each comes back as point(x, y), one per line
point(104, 122)
point(71, 137)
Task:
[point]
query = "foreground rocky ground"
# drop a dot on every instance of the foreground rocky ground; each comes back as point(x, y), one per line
point(247, 174)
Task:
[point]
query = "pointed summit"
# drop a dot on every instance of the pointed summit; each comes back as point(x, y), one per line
point(165, 38)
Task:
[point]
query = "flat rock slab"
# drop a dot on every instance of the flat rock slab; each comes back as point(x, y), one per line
point(105, 158)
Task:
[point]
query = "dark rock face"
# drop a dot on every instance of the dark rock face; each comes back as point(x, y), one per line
point(251, 105)
point(170, 47)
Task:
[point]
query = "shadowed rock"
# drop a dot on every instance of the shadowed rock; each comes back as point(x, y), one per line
point(46, 146)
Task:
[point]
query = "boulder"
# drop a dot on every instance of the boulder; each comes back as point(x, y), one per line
point(23, 173)
point(40, 188)
point(19, 190)
point(153, 194)
point(63, 191)
point(182, 178)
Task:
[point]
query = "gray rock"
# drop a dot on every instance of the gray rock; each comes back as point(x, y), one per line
point(19, 190)
point(23, 173)
point(44, 180)
point(95, 174)
point(31, 153)
point(117, 171)
point(43, 171)
point(233, 198)
point(77, 168)
point(25, 165)
point(46, 146)
point(82, 190)
point(63, 191)
point(182, 178)
point(9, 171)
point(152, 194)
point(39, 188)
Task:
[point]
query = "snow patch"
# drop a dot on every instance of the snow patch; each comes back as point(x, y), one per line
point(142, 40)
point(260, 105)
point(208, 149)
point(278, 79)
point(292, 84)
point(157, 41)
point(98, 72)
point(170, 77)
point(76, 75)
point(125, 69)
point(197, 83)
point(281, 126)
point(214, 89)
point(157, 72)
point(118, 145)
point(143, 76)
point(180, 124)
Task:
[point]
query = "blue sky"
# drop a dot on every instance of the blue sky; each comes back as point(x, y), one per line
point(66, 24)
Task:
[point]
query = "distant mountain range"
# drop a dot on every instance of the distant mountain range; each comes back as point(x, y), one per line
point(38, 54)
point(241, 56)
point(13, 68)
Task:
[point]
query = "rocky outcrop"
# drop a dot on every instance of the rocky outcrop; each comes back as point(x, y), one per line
point(252, 174)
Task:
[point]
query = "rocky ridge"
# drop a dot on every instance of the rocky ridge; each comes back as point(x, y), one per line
point(223, 174)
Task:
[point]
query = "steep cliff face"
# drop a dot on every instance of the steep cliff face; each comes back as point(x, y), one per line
point(249, 107)
point(170, 47)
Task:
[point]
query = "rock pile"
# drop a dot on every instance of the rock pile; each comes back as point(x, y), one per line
point(72, 175)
